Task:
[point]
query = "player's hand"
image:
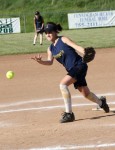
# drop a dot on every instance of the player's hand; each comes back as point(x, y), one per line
point(37, 58)
point(38, 31)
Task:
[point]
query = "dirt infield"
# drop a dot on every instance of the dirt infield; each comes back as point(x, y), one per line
point(31, 106)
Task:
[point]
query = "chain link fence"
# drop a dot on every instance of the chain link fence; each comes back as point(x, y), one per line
point(61, 16)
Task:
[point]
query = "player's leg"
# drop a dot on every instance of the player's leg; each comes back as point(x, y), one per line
point(89, 95)
point(92, 97)
point(41, 38)
point(68, 116)
point(35, 38)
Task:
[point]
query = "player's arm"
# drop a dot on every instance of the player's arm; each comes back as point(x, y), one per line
point(42, 23)
point(88, 53)
point(34, 25)
point(49, 60)
point(73, 45)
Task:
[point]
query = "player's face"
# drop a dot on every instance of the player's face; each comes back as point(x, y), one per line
point(36, 16)
point(51, 36)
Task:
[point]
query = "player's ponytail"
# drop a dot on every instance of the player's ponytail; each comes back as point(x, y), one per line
point(59, 27)
point(51, 26)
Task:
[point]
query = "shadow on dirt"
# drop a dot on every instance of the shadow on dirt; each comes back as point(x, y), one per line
point(98, 117)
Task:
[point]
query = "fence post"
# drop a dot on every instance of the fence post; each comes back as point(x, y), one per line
point(24, 24)
point(52, 2)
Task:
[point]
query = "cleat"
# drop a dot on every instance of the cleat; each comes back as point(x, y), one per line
point(104, 105)
point(67, 117)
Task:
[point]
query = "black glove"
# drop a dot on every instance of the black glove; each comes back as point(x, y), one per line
point(89, 54)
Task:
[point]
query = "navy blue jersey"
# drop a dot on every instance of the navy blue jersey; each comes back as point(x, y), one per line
point(38, 22)
point(65, 54)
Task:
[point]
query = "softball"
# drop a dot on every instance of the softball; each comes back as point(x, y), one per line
point(9, 74)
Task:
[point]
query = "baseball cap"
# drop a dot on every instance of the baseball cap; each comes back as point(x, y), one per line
point(37, 13)
point(50, 28)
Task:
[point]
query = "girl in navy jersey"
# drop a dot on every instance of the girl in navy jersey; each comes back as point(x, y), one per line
point(38, 26)
point(65, 51)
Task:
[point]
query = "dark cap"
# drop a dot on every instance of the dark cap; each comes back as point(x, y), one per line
point(37, 13)
point(50, 28)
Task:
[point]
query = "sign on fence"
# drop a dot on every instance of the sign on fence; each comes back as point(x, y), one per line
point(91, 19)
point(9, 25)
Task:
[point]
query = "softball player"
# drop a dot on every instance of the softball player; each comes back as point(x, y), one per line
point(65, 51)
point(38, 26)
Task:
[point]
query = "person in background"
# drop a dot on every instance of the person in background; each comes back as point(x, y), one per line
point(38, 26)
point(65, 51)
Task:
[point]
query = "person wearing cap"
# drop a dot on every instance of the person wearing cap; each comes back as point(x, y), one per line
point(65, 51)
point(38, 26)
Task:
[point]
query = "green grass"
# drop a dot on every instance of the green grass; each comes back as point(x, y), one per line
point(22, 43)
point(51, 10)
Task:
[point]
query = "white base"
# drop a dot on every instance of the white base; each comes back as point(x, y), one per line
point(99, 109)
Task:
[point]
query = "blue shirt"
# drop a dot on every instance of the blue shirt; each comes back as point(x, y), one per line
point(65, 54)
point(38, 22)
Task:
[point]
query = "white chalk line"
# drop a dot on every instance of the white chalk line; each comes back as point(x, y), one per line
point(70, 147)
point(59, 106)
point(39, 108)
point(48, 100)
point(47, 107)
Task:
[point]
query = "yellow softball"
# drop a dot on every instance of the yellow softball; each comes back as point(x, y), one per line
point(9, 74)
